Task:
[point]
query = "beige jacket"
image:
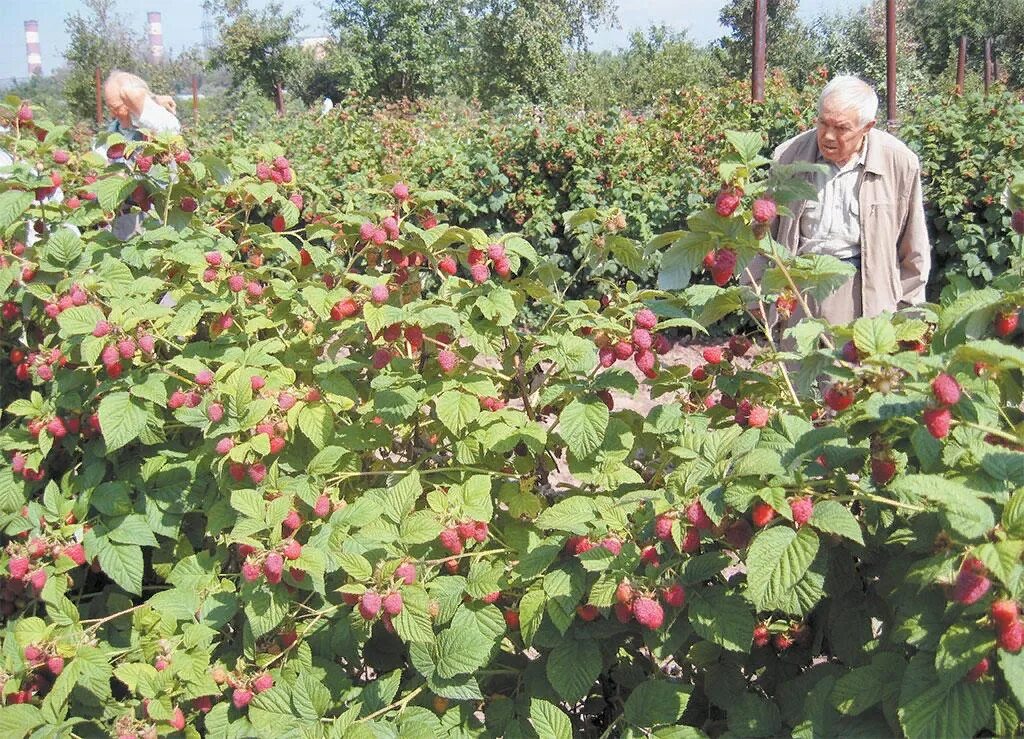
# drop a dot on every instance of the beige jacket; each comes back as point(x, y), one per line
point(894, 249)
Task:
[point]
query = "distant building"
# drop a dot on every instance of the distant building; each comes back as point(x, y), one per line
point(316, 44)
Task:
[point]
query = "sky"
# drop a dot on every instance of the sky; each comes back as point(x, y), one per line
point(182, 23)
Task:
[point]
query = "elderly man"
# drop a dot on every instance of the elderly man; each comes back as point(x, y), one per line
point(134, 107)
point(868, 213)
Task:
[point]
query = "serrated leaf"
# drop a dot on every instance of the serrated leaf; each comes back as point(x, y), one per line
point(656, 703)
point(723, 618)
point(573, 667)
point(121, 420)
point(122, 563)
point(834, 518)
point(776, 561)
point(456, 410)
point(874, 336)
point(549, 721)
point(582, 424)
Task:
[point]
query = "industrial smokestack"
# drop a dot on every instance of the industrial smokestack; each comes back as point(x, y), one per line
point(33, 56)
point(156, 37)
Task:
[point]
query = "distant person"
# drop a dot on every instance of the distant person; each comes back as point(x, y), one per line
point(327, 106)
point(134, 107)
point(868, 212)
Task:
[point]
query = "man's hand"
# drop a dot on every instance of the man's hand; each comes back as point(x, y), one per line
point(167, 102)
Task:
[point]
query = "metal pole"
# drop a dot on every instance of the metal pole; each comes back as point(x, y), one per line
point(195, 100)
point(961, 65)
point(280, 99)
point(759, 52)
point(890, 60)
point(99, 98)
point(988, 64)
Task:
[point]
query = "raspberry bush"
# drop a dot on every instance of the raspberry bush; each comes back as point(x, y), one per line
point(273, 468)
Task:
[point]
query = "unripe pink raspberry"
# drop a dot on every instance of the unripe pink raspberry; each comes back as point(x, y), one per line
point(277, 444)
point(379, 236)
point(495, 251)
point(938, 421)
point(713, 354)
point(215, 412)
point(101, 329)
point(971, 583)
point(251, 571)
point(18, 567)
point(448, 360)
point(257, 473)
point(623, 350)
point(764, 210)
point(1011, 638)
point(646, 319)
point(273, 567)
point(946, 389)
point(75, 552)
point(645, 362)
point(236, 283)
point(241, 697)
point(33, 653)
point(225, 445)
point(406, 572)
point(193, 399)
point(214, 258)
point(209, 274)
point(379, 294)
point(642, 338)
point(802, 509)
point(61, 157)
point(663, 527)
point(254, 288)
point(648, 612)
point(285, 401)
point(322, 507)
point(390, 226)
point(161, 664)
point(263, 683)
point(147, 342)
point(204, 378)
point(292, 549)
point(37, 580)
point(55, 665)
point(758, 417)
point(176, 400)
point(479, 273)
point(256, 382)
point(366, 231)
point(449, 539)
point(393, 603)
point(606, 356)
point(369, 605)
point(57, 428)
point(400, 191)
point(126, 348)
point(503, 267)
point(291, 522)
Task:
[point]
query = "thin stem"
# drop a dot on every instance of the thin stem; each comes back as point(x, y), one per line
point(799, 295)
point(766, 330)
point(994, 432)
point(399, 704)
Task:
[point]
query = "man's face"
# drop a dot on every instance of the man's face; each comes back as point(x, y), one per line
point(840, 134)
point(114, 96)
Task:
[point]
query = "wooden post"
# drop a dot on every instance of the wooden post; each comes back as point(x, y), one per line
point(99, 98)
point(759, 52)
point(280, 99)
point(988, 64)
point(195, 100)
point(961, 65)
point(890, 60)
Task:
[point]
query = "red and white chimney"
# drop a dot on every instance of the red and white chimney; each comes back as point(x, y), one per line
point(33, 55)
point(156, 36)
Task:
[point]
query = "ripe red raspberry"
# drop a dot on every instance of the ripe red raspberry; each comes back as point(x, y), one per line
point(273, 567)
point(607, 399)
point(56, 428)
point(642, 338)
point(782, 642)
point(623, 350)
point(322, 507)
point(758, 417)
point(649, 556)
point(448, 265)
point(37, 580)
point(645, 362)
point(366, 231)
point(646, 319)
point(612, 545)
point(946, 389)
point(802, 509)
point(623, 614)
point(587, 612)
point(1011, 639)
point(479, 273)
point(606, 356)
point(18, 567)
point(204, 377)
point(763, 514)
point(739, 534)
point(512, 619)
point(369, 605)
point(126, 348)
point(739, 345)
point(648, 612)
point(286, 401)
point(406, 572)
point(448, 360)
point(691, 540)
point(699, 374)
point(1006, 322)
point(839, 397)
point(75, 552)
point(251, 571)
point(1017, 221)
point(971, 583)
point(215, 412)
point(883, 470)
point(475, 256)
point(55, 665)
point(727, 202)
point(495, 251)
point(850, 353)
point(761, 635)
point(978, 671)
point(938, 421)
point(674, 595)
point(189, 204)
point(292, 549)
point(241, 697)
point(696, 515)
point(450, 540)
point(663, 527)
point(381, 358)
point(1004, 612)
point(723, 267)
point(713, 354)
point(764, 210)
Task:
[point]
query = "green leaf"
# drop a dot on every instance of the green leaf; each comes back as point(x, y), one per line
point(571, 514)
point(967, 514)
point(549, 721)
point(834, 518)
point(326, 460)
point(583, 424)
point(1012, 666)
point(656, 703)
point(13, 204)
point(112, 191)
point(723, 618)
point(748, 144)
point(413, 622)
point(317, 424)
point(957, 710)
point(310, 699)
point(1013, 514)
point(875, 336)
point(863, 687)
point(573, 667)
point(960, 649)
point(776, 561)
point(79, 320)
point(121, 420)
point(122, 563)
point(531, 614)
point(456, 410)
point(63, 247)
point(18, 720)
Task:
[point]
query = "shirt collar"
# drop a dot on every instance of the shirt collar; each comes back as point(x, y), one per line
point(860, 161)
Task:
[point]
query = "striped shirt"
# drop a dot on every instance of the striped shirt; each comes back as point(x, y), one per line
point(831, 225)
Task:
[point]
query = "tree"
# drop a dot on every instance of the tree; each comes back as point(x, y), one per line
point(96, 38)
point(792, 46)
point(254, 47)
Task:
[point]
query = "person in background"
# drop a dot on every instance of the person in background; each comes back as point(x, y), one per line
point(134, 107)
point(869, 210)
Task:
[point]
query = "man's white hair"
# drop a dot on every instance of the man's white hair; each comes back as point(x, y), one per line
point(851, 93)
